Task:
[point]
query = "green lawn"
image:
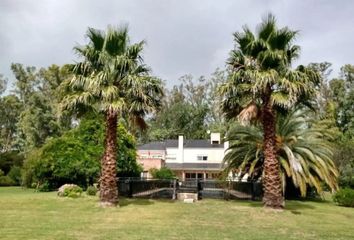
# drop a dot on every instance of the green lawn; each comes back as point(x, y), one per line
point(25, 214)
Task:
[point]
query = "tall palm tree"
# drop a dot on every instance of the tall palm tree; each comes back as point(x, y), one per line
point(262, 83)
point(112, 79)
point(303, 152)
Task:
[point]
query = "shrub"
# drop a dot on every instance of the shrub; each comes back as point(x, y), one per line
point(73, 195)
point(163, 173)
point(91, 191)
point(6, 181)
point(10, 159)
point(15, 174)
point(70, 190)
point(75, 157)
point(344, 197)
point(44, 187)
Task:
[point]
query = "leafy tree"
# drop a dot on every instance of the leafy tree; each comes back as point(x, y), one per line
point(3, 82)
point(343, 95)
point(10, 110)
point(344, 159)
point(190, 109)
point(303, 153)
point(112, 79)
point(26, 81)
point(74, 157)
point(323, 98)
point(39, 95)
point(263, 83)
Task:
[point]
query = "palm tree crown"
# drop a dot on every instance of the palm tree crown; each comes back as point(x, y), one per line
point(260, 67)
point(113, 76)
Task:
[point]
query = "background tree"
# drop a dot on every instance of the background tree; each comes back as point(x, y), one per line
point(112, 79)
point(262, 82)
point(190, 109)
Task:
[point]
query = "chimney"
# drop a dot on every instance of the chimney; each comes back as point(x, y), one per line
point(215, 138)
point(180, 149)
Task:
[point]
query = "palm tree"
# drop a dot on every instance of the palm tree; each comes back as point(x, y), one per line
point(303, 152)
point(260, 84)
point(112, 79)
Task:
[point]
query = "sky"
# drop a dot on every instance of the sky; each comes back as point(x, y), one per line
point(183, 36)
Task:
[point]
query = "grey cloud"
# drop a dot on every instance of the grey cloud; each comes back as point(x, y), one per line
point(183, 36)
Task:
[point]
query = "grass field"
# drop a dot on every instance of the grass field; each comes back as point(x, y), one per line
point(25, 214)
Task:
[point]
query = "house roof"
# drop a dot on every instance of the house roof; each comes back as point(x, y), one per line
point(153, 146)
point(172, 143)
point(194, 166)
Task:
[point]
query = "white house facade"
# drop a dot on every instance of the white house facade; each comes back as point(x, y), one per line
point(189, 159)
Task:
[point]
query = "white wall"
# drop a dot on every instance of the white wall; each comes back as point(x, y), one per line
point(215, 155)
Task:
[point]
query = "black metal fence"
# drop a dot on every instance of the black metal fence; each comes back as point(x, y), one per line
point(169, 188)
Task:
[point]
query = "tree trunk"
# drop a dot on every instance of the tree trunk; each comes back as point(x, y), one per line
point(108, 179)
point(272, 186)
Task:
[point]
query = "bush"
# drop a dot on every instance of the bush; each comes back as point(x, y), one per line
point(15, 174)
point(6, 181)
point(44, 187)
point(344, 197)
point(163, 173)
point(91, 191)
point(70, 190)
point(75, 157)
point(10, 159)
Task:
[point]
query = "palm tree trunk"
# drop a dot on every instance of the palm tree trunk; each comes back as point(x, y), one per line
point(272, 186)
point(108, 182)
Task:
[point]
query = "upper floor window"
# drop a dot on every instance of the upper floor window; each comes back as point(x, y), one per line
point(202, 158)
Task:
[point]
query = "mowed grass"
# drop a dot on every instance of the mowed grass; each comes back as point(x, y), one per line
point(25, 214)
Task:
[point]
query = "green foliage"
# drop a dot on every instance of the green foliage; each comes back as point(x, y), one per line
point(344, 159)
point(15, 174)
point(344, 197)
point(6, 181)
point(38, 98)
point(10, 110)
point(304, 153)
point(91, 191)
point(72, 191)
point(162, 173)
point(3, 83)
point(75, 156)
point(190, 108)
point(10, 159)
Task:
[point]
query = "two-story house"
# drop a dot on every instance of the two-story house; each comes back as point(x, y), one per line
point(189, 159)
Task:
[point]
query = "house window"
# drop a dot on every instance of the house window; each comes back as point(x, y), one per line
point(190, 176)
point(202, 158)
point(144, 174)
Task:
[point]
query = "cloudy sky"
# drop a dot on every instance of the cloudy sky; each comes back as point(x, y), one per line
point(183, 36)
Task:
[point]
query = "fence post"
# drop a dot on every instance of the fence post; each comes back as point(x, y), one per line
point(228, 189)
point(199, 188)
point(174, 189)
point(252, 189)
point(130, 192)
